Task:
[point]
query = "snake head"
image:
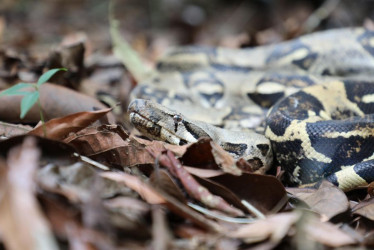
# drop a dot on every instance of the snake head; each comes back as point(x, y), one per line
point(158, 122)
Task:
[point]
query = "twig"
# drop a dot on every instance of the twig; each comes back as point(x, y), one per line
point(323, 12)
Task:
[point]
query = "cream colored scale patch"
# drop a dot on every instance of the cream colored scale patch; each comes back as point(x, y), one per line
point(349, 179)
point(198, 59)
point(297, 131)
point(363, 132)
point(368, 98)
point(246, 58)
point(295, 55)
point(333, 95)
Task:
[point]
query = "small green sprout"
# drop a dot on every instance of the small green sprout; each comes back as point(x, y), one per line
point(31, 97)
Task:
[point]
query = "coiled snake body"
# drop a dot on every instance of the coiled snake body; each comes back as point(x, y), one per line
point(314, 96)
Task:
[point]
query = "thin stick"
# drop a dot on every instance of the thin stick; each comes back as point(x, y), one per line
point(42, 119)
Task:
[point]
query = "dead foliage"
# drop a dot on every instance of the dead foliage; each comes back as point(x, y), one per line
point(93, 183)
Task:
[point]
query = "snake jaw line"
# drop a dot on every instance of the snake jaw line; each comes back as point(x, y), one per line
point(154, 131)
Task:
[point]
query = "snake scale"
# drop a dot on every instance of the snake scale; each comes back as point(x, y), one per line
point(305, 104)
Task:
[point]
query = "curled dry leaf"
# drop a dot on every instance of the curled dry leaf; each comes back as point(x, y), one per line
point(199, 154)
point(111, 145)
point(328, 200)
point(59, 128)
point(20, 212)
point(56, 101)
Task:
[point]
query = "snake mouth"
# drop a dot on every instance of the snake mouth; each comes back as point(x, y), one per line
point(145, 125)
point(151, 129)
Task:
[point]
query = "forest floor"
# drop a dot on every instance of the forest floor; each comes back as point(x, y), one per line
point(91, 183)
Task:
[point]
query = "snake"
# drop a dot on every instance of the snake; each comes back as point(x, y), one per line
point(306, 104)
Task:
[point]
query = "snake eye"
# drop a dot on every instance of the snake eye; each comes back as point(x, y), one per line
point(177, 118)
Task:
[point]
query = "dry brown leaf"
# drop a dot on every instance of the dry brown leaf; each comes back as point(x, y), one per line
point(69, 55)
point(176, 149)
point(369, 239)
point(127, 203)
point(371, 189)
point(56, 101)
point(328, 200)
point(327, 233)
point(59, 128)
point(96, 140)
point(188, 231)
point(194, 189)
point(77, 182)
point(52, 151)
point(222, 192)
point(203, 173)
point(206, 154)
point(224, 160)
point(22, 223)
point(199, 154)
point(162, 180)
point(87, 195)
point(160, 231)
point(264, 192)
point(133, 182)
point(111, 145)
point(10, 130)
point(274, 228)
point(365, 208)
point(66, 222)
point(155, 197)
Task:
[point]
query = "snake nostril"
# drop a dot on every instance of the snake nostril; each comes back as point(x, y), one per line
point(264, 148)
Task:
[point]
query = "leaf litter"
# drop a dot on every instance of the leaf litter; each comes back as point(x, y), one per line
point(149, 194)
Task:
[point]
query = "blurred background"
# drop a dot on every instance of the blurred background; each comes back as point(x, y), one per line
point(151, 26)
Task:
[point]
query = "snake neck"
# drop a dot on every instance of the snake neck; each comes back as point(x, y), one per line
point(161, 123)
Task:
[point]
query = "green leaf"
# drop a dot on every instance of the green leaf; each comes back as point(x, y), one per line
point(15, 90)
point(47, 75)
point(27, 102)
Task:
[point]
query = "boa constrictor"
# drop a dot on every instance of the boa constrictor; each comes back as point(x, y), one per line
point(309, 100)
